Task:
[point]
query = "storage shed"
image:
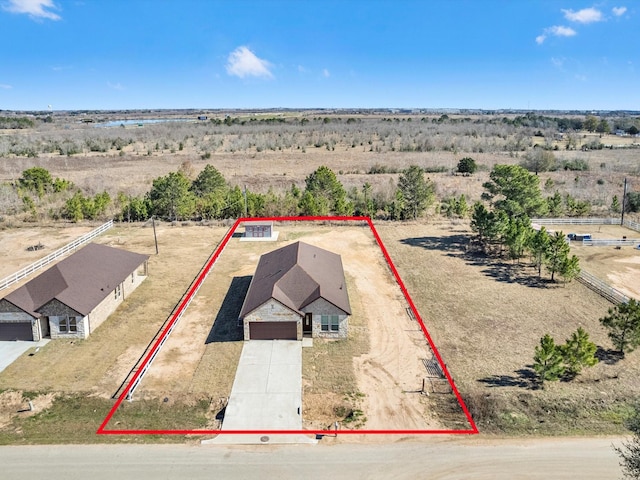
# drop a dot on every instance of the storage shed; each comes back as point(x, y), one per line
point(259, 230)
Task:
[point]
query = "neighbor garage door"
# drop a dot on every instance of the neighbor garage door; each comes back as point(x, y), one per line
point(16, 331)
point(273, 331)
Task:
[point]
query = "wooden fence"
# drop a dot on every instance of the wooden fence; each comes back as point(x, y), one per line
point(34, 267)
point(600, 287)
point(632, 225)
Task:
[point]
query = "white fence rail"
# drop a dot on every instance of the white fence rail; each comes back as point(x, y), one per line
point(609, 242)
point(632, 225)
point(598, 286)
point(25, 272)
point(576, 221)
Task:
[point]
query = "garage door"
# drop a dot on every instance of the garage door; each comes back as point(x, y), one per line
point(273, 331)
point(16, 331)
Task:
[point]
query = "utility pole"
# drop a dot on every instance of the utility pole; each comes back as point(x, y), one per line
point(153, 222)
point(624, 201)
point(245, 201)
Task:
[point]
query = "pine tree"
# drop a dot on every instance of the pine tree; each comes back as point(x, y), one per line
point(623, 323)
point(547, 361)
point(538, 244)
point(570, 268)
point(556, 253)
point(629, 452)
point(578, 352)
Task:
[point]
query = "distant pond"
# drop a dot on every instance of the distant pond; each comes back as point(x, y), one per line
point(124, 123)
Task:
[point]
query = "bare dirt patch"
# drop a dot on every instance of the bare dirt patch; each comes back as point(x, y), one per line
point(13, 403)
point(380, 365)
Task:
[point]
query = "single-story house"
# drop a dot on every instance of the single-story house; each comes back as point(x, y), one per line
point(72, 298)
point(297, 290)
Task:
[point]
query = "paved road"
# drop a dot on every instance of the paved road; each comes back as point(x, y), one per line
point(434, 458)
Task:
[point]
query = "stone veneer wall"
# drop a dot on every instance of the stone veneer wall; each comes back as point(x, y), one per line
point(273, 311)
point(322, 307)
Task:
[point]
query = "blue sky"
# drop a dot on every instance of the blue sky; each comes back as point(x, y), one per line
point(129, 54)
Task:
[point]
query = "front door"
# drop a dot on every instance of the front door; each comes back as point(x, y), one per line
point(307, 326)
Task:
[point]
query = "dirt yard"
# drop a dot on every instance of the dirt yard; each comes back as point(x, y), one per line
point(201, 354)
point(15, 243)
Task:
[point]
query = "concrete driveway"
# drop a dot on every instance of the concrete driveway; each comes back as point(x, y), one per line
point(10, 351)
point(266, 393)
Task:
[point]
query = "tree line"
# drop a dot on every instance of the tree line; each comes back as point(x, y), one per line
point(209, 196)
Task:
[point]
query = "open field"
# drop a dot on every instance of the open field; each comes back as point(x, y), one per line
point(486, 337)
point(274, 151)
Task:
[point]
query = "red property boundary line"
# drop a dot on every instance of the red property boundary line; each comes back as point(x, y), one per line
point(102, 430)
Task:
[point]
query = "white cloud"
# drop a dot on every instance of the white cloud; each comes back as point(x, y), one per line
point(302, 69)
point(558, 62)
point(326, 73)
point(586, 15)
point(242, 62)
point(4, 86)
point(556, 31)
point(619, 11)
point(115, 86)
point(34, 8)
point(560, 31)
point(581, 78)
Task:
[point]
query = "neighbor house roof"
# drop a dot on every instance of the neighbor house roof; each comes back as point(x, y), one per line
point(297, 275)
point(80, 281)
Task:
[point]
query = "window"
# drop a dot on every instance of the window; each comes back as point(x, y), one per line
point(329, 323)
point(133, 277)
point(117, 292)
point(68, 324)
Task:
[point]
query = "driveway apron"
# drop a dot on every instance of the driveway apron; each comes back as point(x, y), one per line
point(267, 390)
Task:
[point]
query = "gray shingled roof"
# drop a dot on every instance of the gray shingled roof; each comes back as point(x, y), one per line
point(296, 275)
point(80, 281)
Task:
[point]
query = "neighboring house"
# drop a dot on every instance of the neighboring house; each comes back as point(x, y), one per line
point(297, 290)
point(72, 298)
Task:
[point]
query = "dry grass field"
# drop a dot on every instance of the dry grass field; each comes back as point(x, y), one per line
point(486, 317)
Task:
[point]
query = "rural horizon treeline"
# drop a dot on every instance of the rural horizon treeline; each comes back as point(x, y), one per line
point(483, 134)
point(182, 195)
